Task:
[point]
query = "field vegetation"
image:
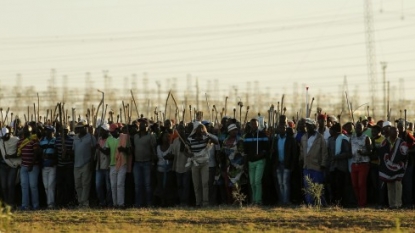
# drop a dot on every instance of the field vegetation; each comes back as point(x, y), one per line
point(215, 219)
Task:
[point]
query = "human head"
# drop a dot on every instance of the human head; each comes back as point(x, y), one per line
point(254, 124)
point(321, 119)
point(310, 125)
point(393, 133)
point(232, 130)
point(359, 128)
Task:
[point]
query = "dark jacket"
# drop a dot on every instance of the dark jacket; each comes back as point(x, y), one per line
point(256, 142)
point(290, 152)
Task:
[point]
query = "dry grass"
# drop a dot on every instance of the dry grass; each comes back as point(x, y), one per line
point(226, 219)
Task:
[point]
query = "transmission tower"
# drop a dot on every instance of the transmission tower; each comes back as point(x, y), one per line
point(370, 51)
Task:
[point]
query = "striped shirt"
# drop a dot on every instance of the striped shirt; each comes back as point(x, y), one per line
point(49, 152)
point(68, 161)
point(28, 152)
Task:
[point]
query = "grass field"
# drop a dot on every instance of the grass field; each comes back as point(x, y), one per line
point(216, 219)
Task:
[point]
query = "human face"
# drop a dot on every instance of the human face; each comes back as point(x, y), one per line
point(254, 125)
point(400, 127)
point(393, 133)
point(359, 128)
point(282, 129)
point(310, 128)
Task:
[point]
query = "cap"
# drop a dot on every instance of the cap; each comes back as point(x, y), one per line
point(386, 123)
point(113, 127)
point(310, 121)
point(105, 127)
point(4, 131)
point(81, 124)
point(232, 127)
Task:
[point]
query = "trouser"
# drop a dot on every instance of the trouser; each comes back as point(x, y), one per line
point(65, 185)
point(200, 176)
point(8, 182)
point(407, 185)
point(117, 178)
point(359, 181)
point(282, 183)
point(339, 180)
point(83, 184)
point(256, 171)
point(142, 182)
point(103, 187)
point(183, 187)
point(395, 194)
point(29, 183)
point(49, 182)
point(316, 177)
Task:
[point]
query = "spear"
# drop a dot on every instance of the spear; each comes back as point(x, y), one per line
point(208, 107)
point(120, 114)
point(73, 120)
point(282, 103)
point(234, 113)
point(123, 107)
point(246, 115)
point(7, 114)
point(34, 111)
point(101, 104)
point(118, 118)
point(165, 106)
point(47, 115)
point(311, 107)
point(1, 114)
point(190, 112)
point(226, 104)
point(240, 111)
point(135, 104)
point(216, 114)
point(405, 119)
point(38, 104)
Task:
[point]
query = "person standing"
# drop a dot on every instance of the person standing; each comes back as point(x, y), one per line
point(200, 143)
point(394, 160)
point(407, 180)
point(49, 161)
point(9, 163)
point(65, 183)
point(285, 148)
point(313, 154)
point(144, 155)
point(256, 147)
point(183, 173)
point(117, 147)
point(102, 177)
point(28, 149)
point(83, 147)
point(361, 150)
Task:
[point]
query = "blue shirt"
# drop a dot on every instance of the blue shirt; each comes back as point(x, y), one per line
point(281, 147)
point(48, 148)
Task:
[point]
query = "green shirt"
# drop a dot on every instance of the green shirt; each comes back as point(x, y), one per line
point(112, 144)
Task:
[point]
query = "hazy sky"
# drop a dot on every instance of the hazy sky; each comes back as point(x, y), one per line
point(276, 42)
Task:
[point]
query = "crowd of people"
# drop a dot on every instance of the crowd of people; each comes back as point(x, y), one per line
point(163, 164)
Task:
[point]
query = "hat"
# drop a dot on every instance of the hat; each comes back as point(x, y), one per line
point(4, 131)
point(386, 123)
point(310, 121)
point(113, 127)
point(333, 118)
point(50, 128)
point(232, 127)
point(81, 124)
point(105, 127)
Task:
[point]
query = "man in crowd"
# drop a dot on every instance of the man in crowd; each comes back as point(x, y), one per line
point(83, 147)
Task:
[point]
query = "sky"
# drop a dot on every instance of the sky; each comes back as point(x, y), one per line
point(275, 42)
